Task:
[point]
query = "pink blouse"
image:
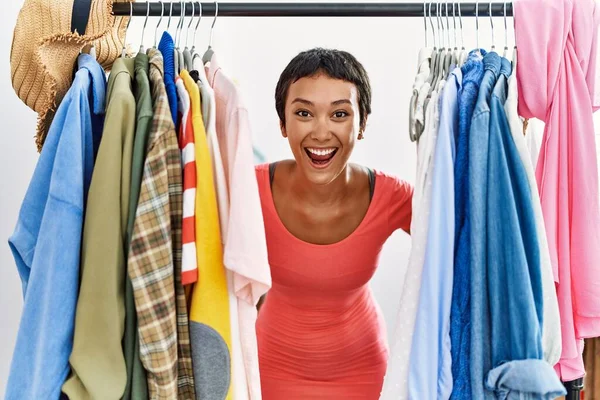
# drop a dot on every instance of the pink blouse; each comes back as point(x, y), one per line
point(557, 42)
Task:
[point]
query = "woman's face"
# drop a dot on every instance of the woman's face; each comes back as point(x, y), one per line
point(322, 125)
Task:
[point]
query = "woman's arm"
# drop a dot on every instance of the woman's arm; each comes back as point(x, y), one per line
point(400, 205)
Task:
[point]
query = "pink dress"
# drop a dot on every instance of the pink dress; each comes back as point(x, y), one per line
point(321, 334)
point(556, 74)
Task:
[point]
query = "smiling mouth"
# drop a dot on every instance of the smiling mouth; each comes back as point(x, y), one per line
point(321, 157)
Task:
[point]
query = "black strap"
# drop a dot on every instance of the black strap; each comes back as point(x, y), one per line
point(371, 179)
point(80, 16)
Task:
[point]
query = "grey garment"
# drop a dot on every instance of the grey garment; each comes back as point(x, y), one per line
point(181, 61)
point(176, 59)
point(524, 380)
point(212, 362)
point(187, 58)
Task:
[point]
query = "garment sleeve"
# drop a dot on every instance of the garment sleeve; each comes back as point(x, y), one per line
point(246, 244)
point(400, 205)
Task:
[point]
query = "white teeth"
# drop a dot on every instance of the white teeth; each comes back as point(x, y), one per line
point(321, 152)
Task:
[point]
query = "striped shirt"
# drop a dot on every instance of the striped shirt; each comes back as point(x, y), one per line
point(189, 266)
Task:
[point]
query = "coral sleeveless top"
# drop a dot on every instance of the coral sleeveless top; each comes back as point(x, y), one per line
point(321, 334)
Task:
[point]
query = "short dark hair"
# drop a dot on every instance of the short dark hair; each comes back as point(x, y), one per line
point(336, 64)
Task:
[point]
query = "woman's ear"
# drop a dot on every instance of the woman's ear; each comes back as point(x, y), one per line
point(282, 127)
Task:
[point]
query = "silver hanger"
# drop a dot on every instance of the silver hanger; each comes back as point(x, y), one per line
point(144, 28)
point(425, 21)
point(187, 32)
point(209, 51)
point(124, 50)
point(196, 29)
point(170, 15)
point(505, 33)
point(492, 24)
point(162, 11)
point(179, 27)
point(477, 25)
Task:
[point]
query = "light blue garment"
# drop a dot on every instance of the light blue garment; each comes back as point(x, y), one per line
point(430, 366)
point(478, 183)
point(514, 278)
point(47, 238)
point(460, 314)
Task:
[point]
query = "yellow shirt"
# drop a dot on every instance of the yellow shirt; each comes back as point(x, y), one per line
point(209, 311)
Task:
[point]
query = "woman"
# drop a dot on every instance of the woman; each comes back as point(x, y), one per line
point(320, 332)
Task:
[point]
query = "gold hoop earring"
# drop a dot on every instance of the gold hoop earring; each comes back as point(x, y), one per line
point(360, 136)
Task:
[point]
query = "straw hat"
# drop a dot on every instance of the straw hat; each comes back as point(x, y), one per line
point(44, 52)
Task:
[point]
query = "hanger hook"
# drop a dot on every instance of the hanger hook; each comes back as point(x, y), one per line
point(170, 14)
point(432, 27)
point(440, 29)
point(179, 24)
point(145, 23)
point(187, 32)
point(477, 22)
point(212, 27)
point(124, 50)
point(492, 24)
point(197, 24)
point(462, 37)
point(448, 25)
point(162, 12)
point(454, 23)
point(425, 20)
point(505, 28)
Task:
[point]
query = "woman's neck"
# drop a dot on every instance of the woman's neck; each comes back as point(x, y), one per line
point(331, 193)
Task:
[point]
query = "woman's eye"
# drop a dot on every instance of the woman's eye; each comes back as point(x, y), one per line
point(340, 114)
point(303, 113)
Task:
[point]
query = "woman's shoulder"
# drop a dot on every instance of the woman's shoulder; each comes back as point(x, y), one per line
point(391, 183)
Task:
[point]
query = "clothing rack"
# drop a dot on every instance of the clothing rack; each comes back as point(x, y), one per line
point(296, 9)
point(311, 9)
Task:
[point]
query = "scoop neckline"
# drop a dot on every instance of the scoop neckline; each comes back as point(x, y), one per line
point(363, 222)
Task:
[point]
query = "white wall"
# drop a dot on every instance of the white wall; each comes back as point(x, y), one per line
point(254, 51)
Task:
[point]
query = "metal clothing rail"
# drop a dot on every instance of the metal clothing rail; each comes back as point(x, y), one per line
point(296, 9)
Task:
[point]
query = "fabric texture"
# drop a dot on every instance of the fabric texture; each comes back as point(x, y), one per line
point(554, 75)
point(137, 387)
point(53, 207)
point(514, 277)
point(155, 256)
point(209, 311)
point(42, 44)
point(166, 46)
point(97, 360)
point(551, 333)
point(430, 363)
point(320, 294)
point(480, 359)
point(189, 268)
point(460, 312)
point(396, 377)
point(245, 249)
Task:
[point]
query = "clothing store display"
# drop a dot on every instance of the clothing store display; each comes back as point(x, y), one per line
point(53, 207)
point(43, 45)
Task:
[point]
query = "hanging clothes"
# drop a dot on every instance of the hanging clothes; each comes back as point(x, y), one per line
point(551, 333)
point(97, 360)
point(460, 313)
point(166, 46)
point(556, 77)
point(210, 325)
point(189, 267)
point(430, 370)
point(137, 386)
point(53, 207)
point(396, 381)
point(245, 249)
point(155, 257)
point(238, 370)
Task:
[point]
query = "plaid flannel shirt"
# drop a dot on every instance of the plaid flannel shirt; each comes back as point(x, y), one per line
point(154, 263)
